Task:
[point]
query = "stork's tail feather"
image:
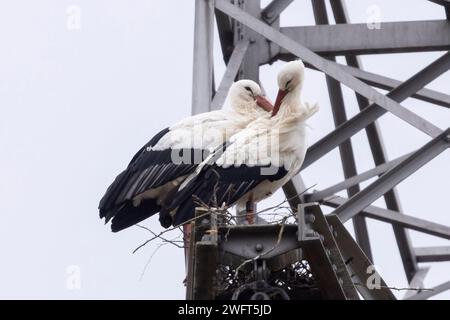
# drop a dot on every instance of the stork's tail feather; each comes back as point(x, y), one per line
point(165, 218)
point(129, 215)
point(107, 202)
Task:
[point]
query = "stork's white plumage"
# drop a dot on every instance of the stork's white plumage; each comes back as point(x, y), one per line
point(256, 161)
point(158, 168)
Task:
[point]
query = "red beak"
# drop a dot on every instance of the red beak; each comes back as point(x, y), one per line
point(280, 96)
point(263, 103)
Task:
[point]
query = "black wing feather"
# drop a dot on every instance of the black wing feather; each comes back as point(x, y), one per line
point(117, 186)
point(148, 169)
point(217, 184)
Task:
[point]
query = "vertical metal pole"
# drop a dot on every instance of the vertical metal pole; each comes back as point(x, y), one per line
point(202, 93)
point(379, 156)
point(345, 148)
point(250, 65)
point(202, 80)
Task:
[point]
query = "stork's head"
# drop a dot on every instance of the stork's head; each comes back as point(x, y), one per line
point(290, 81)
point(244, 93)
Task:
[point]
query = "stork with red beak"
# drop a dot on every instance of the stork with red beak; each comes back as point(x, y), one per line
point(156, 171)
point(249, 170)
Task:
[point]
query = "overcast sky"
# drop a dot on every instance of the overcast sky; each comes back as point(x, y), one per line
point(84, 84)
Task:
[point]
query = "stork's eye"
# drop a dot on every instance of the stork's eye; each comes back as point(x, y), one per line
point(249, 90)
point(287, 84)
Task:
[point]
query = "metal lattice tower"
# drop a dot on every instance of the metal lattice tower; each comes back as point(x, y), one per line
point(251, 36)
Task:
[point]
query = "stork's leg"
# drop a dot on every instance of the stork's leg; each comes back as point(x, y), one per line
point(250, 210)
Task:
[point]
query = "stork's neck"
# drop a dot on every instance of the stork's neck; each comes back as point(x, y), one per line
point(246, 111)
point(291, 104)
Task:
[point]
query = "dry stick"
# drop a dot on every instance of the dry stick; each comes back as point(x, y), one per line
point(167, 241)
point(150, 259)
point(168, 230)
point(153, 253)
point(160, 237)
point(393, 288)
point(205, 207)
point(287, 199)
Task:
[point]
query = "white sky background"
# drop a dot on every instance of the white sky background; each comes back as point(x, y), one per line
point(75, 105)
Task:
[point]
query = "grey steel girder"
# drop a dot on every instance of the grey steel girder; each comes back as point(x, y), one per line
point(373, 112)
point(432, 254)
point(345, 148)
point(446, 4)
point(231, 72)
point(392, 37)
point(394, 176)
point(386, 83)
point(390, 216)
point(203, 58)
point(250, 36)
point(379, 156)
point(377, 171)
point(426, 294)
point(416, 282)
point(328, 67)
point(273, 10)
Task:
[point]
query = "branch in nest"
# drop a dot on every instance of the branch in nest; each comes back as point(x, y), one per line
point(159, 236)
point(287, 199)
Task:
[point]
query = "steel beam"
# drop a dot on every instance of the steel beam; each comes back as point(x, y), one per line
point(225, 30)
point(392, 37)
point(202, 90)
point(416, 282)
point(357, 263)
point(253, 58)
point(262, 52)
point(347, 183)
point(330, 68)
point(230, 74)
point(379, 156)
point(345, 148)
point(393, 217)
point(394, 176)
point(293, 190)
point(387, 83)
point(446, 4)
point(373, 112)
point(431, 293)
point(325, 257)
point(432, 254)
point(273, 10)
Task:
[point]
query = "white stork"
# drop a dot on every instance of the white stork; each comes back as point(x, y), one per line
point(158, 168)
point(249, 170)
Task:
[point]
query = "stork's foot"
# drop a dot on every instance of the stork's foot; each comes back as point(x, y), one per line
point(250, 212)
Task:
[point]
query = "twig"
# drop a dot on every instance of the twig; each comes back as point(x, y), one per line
point(177, 226)
point(287, 199)
point(168, 230)
point(394, 288)
point(150, 259)
point(160, 237)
